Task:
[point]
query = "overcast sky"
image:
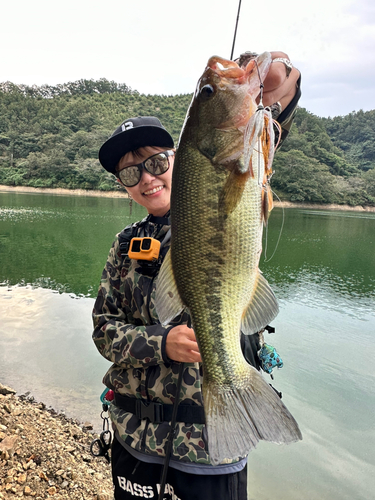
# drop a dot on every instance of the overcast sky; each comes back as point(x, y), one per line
point(161, 47)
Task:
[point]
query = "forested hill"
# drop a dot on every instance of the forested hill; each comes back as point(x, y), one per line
point(50, 137)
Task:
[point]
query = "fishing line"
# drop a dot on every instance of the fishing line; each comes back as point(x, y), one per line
point(280, 232)
point(235, 29)
point(261, 87)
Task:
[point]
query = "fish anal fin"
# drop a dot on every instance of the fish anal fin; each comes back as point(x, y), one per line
point(168, 302)
point(261, 309)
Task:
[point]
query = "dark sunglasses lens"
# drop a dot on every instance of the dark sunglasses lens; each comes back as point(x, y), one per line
point(157, 164)
point(130, 176)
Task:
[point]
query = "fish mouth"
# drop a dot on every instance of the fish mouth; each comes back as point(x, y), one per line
point(224, 71)
point(225, 68)
point(153, 190)
point(227, 77)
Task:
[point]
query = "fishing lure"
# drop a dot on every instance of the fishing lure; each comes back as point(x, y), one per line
point(269, 358)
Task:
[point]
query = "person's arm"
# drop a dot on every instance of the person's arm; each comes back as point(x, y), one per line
point(280, 84)
point(282, 89)
point(123, 340)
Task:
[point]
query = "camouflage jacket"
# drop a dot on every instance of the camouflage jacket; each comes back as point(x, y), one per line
point(127, 333)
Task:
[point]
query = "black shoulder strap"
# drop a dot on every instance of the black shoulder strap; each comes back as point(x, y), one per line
point(132, 230)
point(125, 237)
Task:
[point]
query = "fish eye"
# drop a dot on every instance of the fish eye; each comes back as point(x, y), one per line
point(207, 91)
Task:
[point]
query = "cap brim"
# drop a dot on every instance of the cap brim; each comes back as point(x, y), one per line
point(118, 145)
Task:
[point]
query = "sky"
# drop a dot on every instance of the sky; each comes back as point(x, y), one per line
point(162, 47)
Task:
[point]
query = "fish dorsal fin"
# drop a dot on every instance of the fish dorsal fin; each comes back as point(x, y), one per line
point(168, 302)
point(262, 307)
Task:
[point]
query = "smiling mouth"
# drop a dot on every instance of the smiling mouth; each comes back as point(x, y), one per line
point(153, 191)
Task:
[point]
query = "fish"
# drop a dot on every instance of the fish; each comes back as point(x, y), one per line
point(220, 202)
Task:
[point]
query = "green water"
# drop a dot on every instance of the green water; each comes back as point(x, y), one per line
point(59, 242)
point(52, 251)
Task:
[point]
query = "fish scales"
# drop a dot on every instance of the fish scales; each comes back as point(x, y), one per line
point(212, 266)
point(223, 252)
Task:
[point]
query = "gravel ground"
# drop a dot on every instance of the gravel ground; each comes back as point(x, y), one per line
point(43, 454)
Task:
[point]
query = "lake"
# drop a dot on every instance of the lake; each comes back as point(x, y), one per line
point(52, 251)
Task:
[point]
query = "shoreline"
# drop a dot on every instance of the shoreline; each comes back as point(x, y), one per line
point(121, 194)
point(62, 191)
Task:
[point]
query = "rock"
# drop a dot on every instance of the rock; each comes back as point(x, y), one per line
point(103, 496)
point(6, 390)
point(86, 458)
point(27, 491)
point(50, 455)
point(43, 476)
point(22, 478)
point(9, 408)
point(8, 444)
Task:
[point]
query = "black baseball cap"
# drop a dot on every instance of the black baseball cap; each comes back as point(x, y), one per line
point(132, 134)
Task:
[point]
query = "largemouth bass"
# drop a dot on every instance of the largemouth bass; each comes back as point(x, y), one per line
point(218, 206)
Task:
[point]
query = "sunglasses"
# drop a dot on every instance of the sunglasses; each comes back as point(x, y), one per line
point(155, 165)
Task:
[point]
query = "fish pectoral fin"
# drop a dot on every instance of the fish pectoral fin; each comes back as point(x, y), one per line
point(233, 189)
point(262, 307)
point(231, 150)
point(168, 302)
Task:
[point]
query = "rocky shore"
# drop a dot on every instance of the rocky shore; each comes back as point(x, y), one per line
point(43, 454)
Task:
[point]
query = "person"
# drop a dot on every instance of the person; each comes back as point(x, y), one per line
point(147, 356)
point(282, 90)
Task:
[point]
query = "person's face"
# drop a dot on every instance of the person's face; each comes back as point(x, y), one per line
point(153, 191)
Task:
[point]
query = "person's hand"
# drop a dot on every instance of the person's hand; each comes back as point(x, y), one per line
point(181, 345)
point(278, 85)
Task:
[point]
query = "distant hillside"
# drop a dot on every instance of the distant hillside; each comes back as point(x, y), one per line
point(50, 137)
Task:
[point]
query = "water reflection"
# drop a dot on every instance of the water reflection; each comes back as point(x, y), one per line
point(325, 259)
point(320, 287)
point(46, 348)
point(59, 242)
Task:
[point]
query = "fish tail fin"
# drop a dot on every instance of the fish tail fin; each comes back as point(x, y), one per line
point(238, 417)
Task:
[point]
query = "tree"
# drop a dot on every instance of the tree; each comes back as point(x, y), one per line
point(51, 135)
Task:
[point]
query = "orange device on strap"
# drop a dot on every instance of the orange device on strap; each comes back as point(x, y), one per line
point(144, 249)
